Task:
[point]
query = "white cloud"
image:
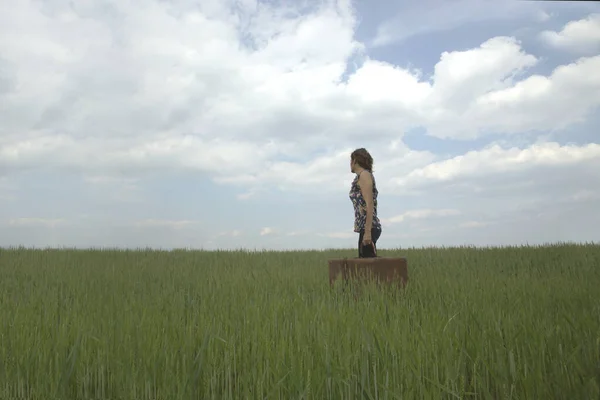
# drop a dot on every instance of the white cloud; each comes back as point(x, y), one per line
point(338, 235)
point(420, 214)
point(233, 233)
point(498, 160)
point(462, 76)
point(247, 195)
point(473, 224)
point(161, 223)
point(298, 233)
point(543, 16)
point(536, 103)
point(37, 222)
point(585, 195)
point(582, 36)
point(266, 231)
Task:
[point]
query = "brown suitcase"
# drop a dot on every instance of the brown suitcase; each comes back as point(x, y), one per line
point(383, 269)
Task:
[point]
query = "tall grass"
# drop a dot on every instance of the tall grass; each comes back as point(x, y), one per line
point(501, 323)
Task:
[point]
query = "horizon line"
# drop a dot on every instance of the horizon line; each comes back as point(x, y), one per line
point(268, 250)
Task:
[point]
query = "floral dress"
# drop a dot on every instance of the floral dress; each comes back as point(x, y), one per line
point(360, 206)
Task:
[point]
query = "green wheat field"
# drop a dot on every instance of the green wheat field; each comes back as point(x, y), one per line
point(473, 323)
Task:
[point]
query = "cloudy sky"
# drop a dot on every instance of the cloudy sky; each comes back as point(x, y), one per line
point(229, 123)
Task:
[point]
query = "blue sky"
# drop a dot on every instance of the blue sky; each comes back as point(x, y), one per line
point(229, 124)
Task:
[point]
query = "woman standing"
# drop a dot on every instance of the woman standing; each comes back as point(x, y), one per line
point(363, 194)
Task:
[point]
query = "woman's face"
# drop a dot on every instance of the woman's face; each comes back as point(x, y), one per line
point(351, 165)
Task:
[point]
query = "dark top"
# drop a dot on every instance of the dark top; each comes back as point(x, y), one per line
point(360, 206)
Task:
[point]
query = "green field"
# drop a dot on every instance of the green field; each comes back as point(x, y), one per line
point(503, 323)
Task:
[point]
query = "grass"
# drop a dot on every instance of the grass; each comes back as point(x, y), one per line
point(497, 323)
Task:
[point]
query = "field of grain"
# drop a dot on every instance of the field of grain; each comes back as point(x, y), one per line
point(500, 323)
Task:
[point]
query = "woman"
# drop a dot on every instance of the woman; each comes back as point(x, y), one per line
point(363, 194)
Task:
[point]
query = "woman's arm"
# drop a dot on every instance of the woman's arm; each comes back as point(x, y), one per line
point(365, 182)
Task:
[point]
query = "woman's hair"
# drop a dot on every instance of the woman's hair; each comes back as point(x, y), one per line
point(363, 158)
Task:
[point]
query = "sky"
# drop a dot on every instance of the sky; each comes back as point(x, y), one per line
point(228, 124)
